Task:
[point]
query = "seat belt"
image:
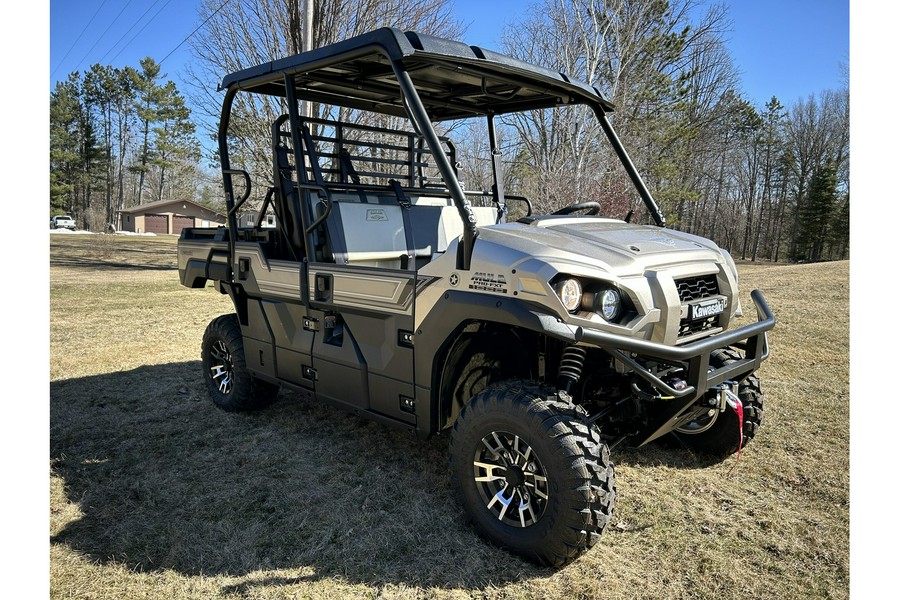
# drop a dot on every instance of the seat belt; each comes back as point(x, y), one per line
point(406, 205)
point(348, 170)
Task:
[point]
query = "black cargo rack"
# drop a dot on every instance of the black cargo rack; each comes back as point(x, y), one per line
point(366, 155)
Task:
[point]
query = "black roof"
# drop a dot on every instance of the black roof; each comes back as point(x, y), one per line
point(453, 80)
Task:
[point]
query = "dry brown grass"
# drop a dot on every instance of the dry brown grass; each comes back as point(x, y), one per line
point(156, 494)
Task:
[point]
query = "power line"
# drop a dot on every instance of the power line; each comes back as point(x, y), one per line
point(103, 34)
point(214, 13)
point(149, 8)
point(181, 43)
point(156, 14)
point(77, 39)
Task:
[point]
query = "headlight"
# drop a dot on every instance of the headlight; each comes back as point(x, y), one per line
point(609, 304)
point(569, 291)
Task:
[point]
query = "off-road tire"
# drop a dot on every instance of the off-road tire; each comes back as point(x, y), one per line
point(722, 438)
point(478, 361)
point(231, 386)
point(558, 443)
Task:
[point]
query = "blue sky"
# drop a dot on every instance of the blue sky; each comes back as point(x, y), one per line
point(786, 48)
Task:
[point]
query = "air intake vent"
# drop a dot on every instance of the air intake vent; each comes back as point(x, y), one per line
point(697, 288)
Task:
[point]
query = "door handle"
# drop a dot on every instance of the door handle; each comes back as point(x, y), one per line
point(323, 286)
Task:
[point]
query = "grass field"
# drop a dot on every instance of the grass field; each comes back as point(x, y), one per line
point(154, 493)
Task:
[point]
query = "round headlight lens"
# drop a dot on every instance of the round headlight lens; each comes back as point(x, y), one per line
point(569, 291)
point(609, 304)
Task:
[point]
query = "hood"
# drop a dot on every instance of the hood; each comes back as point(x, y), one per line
point(624, 237)
point(605, 243)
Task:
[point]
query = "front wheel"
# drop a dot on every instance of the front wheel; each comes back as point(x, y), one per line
point(231, 386)
point(720, 433)
point(532, 473)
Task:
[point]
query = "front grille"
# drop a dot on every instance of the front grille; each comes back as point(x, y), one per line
point(687, 328)
point(697, 288)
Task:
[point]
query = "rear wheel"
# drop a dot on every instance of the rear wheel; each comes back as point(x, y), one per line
point(719, 433)
point(532, 473)
point(231, 386)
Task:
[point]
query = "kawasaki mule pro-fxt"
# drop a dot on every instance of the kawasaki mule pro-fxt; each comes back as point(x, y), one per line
point(390, 290)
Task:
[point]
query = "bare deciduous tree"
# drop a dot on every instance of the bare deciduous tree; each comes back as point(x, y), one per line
point(257, 31)
point(661, 69)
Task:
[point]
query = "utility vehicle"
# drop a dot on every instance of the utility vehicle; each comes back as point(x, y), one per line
point(390, 290)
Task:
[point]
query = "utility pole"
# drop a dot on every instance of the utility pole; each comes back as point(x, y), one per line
point(306, 40)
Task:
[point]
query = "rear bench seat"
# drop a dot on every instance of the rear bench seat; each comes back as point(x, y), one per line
point(374, 233)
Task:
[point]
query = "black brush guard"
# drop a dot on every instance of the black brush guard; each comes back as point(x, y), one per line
point(752, 339)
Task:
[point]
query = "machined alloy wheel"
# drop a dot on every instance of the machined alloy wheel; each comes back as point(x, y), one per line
point(511, 479)
point(720, 433)
point(222, 369)
point(230, 384)
point(531, 472)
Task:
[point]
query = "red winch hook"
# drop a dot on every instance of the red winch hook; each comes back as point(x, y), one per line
point(734, 402)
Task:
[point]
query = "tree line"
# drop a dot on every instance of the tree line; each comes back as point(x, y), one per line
point(119, 138)
point(764, 181)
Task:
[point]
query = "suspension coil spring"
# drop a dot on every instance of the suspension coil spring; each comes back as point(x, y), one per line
point(570, 366)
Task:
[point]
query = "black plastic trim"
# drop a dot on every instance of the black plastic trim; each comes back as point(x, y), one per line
point(695, 356)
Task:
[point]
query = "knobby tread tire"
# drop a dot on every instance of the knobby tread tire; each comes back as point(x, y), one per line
point(722, 438)
point(248, 393)
point(581, 476)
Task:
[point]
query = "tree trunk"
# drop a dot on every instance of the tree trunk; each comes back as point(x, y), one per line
point(144, 150)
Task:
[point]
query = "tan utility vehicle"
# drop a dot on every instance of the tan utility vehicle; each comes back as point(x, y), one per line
point(389, 290)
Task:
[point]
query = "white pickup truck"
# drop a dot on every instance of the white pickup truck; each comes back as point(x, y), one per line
point(62, 222)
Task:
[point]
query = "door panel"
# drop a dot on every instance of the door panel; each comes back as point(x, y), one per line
point(292, 341)
point(373, 310)
point(277, 325)
point(361, 289)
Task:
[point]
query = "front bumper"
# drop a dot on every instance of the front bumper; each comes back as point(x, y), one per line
point(694, 356)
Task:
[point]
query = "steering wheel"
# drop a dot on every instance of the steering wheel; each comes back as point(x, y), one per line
point(592, 208)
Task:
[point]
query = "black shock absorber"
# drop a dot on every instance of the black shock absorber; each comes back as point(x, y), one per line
point(570, 367)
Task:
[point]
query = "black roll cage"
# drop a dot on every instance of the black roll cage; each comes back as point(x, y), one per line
point(383, 71)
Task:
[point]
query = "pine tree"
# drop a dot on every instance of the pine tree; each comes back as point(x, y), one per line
point(174, 139)
point(149, 95)
point(839, 231)
point(65, 118)
point(94, 149)
point(816, 214)
point(76, 156)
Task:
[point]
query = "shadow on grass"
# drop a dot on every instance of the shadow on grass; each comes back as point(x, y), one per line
point(665, 454)
point(113, 252)
point(116, 263)
point(165, 481)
